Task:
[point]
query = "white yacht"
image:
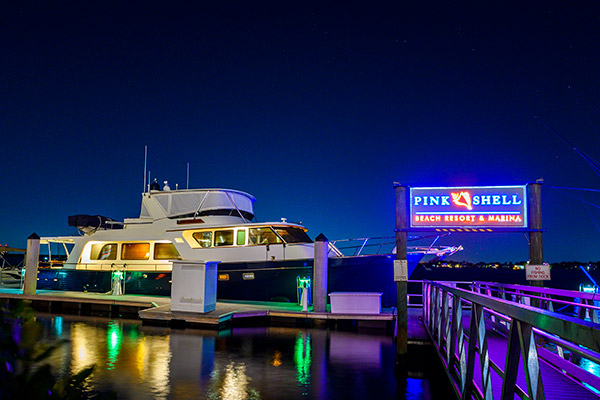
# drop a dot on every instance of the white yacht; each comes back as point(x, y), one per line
point(258, 261)
point(202, 224)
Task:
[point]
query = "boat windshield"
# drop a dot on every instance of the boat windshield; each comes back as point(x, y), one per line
point(292, 235)
point(262, 236)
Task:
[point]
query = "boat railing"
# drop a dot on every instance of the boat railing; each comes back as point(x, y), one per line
point(387, 245)
point(376, 245)
point(6, 265)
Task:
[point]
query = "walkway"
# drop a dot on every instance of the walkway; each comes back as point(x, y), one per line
point(494, 348)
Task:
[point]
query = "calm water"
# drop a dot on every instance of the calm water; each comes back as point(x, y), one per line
point(142, 362)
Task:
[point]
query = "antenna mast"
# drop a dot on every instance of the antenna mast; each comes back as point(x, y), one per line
point(188, 176)
point(145, 158)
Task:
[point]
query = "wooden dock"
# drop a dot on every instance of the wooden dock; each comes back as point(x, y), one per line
point(84, 303)
point(242, 312)
point(157, 310)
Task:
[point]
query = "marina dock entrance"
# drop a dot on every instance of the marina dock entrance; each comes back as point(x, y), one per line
point(495, 345)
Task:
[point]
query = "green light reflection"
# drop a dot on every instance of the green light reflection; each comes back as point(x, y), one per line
point(58, 326)
point(302, 357)
point(133, 334)
point(114, 339)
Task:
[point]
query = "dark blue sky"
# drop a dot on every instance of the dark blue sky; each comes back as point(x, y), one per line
point(316, 110)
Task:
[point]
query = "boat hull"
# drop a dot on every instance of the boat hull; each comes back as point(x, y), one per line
point(256, 281)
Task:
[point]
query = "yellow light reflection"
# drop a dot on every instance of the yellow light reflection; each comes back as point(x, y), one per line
point(235, 383)
point(158, 364)
point(276, 359)
point(85, 339)
point(232, 384)
point(141, 356)
point(142, 359)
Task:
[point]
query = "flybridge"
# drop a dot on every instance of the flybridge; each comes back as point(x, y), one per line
point(472, 207)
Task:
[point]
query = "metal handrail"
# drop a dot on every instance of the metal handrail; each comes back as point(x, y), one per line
point(363, 243)
point(523, 324)
point(541, 290)
point(585, 304)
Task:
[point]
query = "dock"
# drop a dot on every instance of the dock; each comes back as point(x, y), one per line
point(84, 303)
point(157, 310)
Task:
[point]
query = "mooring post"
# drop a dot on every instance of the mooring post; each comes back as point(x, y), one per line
point(536, 252)
point(401, 277)
point(32, 261)
point(320, 274)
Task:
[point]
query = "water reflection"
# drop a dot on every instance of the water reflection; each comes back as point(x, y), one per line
point(232, 384)
point(114, 339)
point(141, 362)
point(302, 357)
point(124, 360)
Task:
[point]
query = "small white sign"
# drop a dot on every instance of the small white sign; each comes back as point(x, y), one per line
point(537, 272)
point(400, 271)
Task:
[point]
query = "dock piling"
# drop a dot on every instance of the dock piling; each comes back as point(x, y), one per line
point(32, 264)
point(401, 277)
point(536, 248)
point(320, 274)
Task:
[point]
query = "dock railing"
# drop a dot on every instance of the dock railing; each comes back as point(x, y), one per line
point(583, 305)
point(569, 344)
point(415, 290)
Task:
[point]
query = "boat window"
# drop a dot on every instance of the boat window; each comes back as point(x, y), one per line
point(135, 251)
point(104, 251)
point(263, 236)
point(166, 251)
point(224, 238)
point(204, 239)
point(241, 237)
point(292, 235)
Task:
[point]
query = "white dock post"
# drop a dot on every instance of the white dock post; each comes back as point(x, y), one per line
point(304, 300)
point(32, 264)
point(320, 274)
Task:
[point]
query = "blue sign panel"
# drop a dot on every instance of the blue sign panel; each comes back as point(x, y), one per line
point(474, 208)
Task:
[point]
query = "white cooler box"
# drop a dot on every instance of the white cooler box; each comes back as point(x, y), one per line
point(194, 286)
point(355, 302)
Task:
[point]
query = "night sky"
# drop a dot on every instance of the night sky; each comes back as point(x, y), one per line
point(314, 108)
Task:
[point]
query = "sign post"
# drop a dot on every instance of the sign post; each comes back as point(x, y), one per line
point(401, 278)
point(536, 254)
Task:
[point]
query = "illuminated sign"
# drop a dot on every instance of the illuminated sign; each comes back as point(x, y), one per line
point(476, 208)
